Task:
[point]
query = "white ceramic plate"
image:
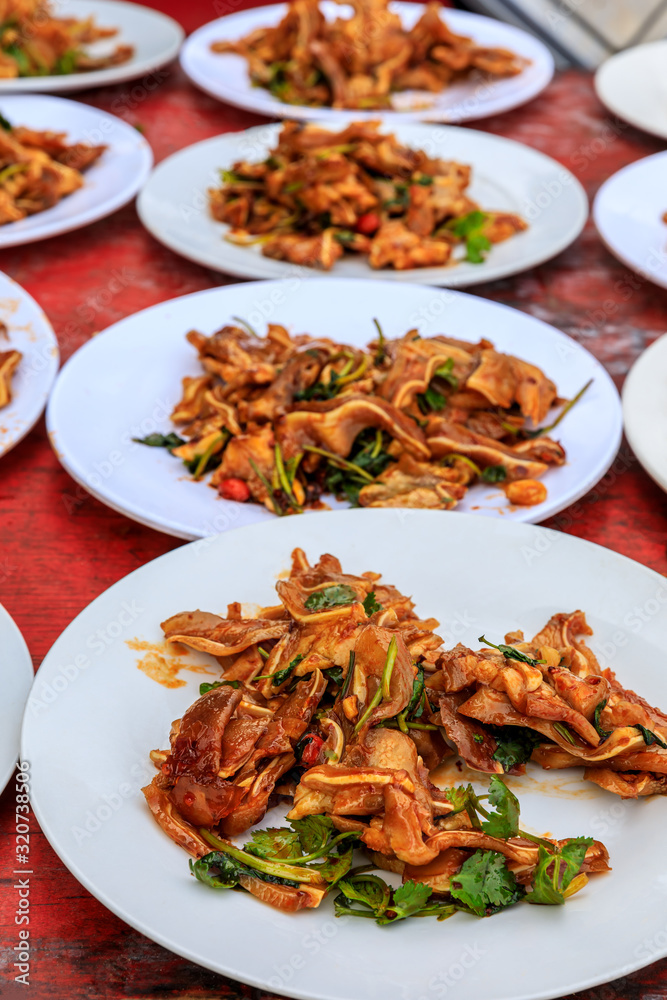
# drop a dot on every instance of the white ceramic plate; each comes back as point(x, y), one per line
point(28, 331)
point(156, 39)
point(108, 184)
point(507, 176)
point(633, 85)
point(93, 717)
point(645, 410)
point(628, 212)
point(122, 399)
point(16, 676)
point(226, 76)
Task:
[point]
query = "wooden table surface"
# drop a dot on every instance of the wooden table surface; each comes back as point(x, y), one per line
point(61, 548)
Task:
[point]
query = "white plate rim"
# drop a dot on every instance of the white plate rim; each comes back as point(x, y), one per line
point(178, 529)
point(547, 536)
point(107, 203)
point(461, 20)
point(19, 675)
point(637, 386)
point(611, 66)
point(48, 349)
point(131, 70)
point(599, 216)
point(242, 263)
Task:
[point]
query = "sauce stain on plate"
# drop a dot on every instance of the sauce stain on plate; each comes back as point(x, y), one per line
point(162, 662)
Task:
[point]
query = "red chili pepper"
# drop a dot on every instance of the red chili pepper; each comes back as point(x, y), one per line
point(311, 749)
point(234, 489)
point(368, 223)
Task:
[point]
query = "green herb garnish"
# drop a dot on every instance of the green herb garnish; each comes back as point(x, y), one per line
point(206, 687)
point(331, 597)
point(371, 606)
point(510, 653)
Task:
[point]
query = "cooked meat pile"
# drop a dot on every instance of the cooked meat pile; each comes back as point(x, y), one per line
point(411, 422)
point(341, 700)
point(9, 362)
point(361, 61)
point(321, 193)
point(35, 43)
point(37, 169)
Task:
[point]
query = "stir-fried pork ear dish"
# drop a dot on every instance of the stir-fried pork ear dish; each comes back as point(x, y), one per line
point(33, 42)
point(411, 422)
point(37, 169)
point(361, 61)
point(341, 701)
point(321, 194)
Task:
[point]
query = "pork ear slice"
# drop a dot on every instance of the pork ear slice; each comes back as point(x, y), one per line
point(173, 824)
point(628, 786)
point(197, 747)
point(335, 424)
point(221, 636)
point(371, 651)
point(473, 742)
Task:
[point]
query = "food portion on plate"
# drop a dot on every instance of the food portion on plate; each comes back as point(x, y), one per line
point(320, 193)
point(336, 700)
point(359, 62)
point(9, 362)
point(411, 422)
point(35, 42)
point(38, 168)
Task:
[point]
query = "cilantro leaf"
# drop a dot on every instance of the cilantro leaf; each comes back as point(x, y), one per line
point(549, 887)
point(335, 867)
point(650, 737)
point(467, 224)
point(459, 796)
point(313, 832)
point(274, 843)
point(331, 597)
point(4, 124)
point(407, 901)
point(484, 884)
point(370, 892)
point(510, 653)
point(205, 687)
point(504, 823)
point(370, 896)
point(469, 228)
point(370, 604)
point(477, 247)
point(494, 474)
point(514, 745)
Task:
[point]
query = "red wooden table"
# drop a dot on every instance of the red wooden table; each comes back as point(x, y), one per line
point(60, 548)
